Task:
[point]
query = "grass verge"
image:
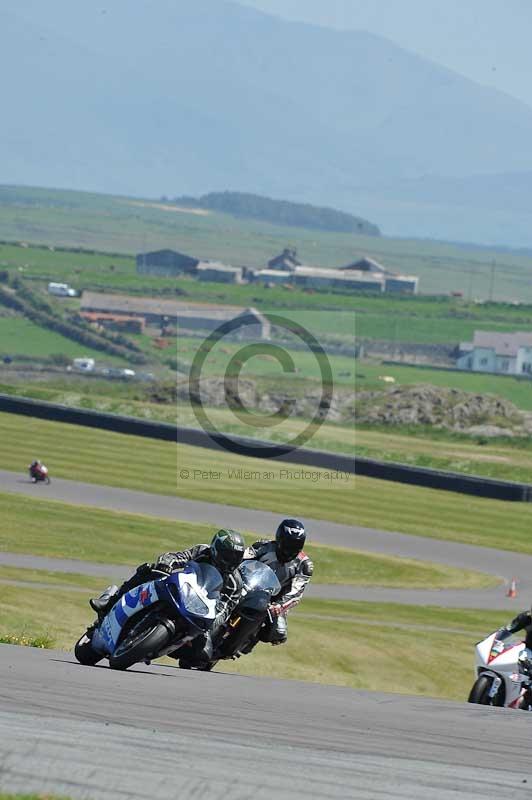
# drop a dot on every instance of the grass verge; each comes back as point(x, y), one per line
point(67, 531)
point(134, 463)
point(406, 649)
point(377, 647)
point(43, 642)
point(29, 797)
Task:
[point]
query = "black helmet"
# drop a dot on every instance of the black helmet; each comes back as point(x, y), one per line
point(227, 549)
point(289, 539)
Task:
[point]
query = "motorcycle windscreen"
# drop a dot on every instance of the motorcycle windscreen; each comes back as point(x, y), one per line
point(199, 588)
point(257, 575)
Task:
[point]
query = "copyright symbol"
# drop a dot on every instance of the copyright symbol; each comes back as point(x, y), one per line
point(184, 474)
point(232, 373)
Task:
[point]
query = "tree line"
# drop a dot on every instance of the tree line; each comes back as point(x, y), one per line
point(281, 212)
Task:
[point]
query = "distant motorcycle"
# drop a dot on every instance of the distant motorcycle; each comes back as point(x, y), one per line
point(39, 473)
point(502, 674)
point(154, 619)
point(241, 631)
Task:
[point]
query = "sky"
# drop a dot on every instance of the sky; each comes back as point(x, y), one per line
point(485, 40)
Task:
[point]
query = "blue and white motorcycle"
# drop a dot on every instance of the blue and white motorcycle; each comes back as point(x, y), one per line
point(154, 619)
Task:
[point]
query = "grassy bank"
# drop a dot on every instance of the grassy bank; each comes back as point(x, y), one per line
point(66, 531)
point(117, 460)
point(20, 336)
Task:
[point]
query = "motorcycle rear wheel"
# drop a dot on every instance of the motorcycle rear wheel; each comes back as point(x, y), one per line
point(84, 652)
point(480, 693)
point(141, 643)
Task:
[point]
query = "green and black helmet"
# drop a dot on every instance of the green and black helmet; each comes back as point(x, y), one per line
point(227, 549)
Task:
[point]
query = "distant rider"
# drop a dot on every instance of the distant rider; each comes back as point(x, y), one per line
point(225, 552)
point(293, 568)
point(36, 469)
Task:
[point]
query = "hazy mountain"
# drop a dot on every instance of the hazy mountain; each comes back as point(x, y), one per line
point(188, 96)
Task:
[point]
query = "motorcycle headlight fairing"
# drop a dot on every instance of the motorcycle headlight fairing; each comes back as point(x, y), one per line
point(193, 602)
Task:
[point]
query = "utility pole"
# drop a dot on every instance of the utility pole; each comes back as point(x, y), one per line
point(492, 279)
point(470, 290)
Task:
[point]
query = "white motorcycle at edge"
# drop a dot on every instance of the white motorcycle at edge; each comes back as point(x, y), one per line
point(503, 674)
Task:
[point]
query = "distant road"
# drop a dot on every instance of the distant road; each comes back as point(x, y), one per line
point(494, 562)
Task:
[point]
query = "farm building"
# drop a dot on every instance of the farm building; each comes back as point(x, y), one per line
point(394, 282)
point(269, 276)
point(505, 353)
point(366, 265)
point(315, 278)
point(366, 274)
point(192, 317)
point(166, 263)
point(215, 272)
point(286, 261)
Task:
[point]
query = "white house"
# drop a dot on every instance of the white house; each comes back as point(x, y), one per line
point(506, 353)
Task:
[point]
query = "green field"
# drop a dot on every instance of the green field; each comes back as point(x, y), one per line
point(117, 460)
point(67, 531)
point(305, 365)
point(397, 324)
point(517, 390)
point(20, 336)
point(123, 225)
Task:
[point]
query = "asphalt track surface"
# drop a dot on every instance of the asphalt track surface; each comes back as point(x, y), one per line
point(90, 733)
point(158, 732)
point(503, 564)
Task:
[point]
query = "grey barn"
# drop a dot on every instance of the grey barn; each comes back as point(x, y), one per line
point(166, 263)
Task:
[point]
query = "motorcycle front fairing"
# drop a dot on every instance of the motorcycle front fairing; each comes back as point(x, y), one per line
point(260, 585)
point(194, 593)
point(499, 659)
point(191, 594)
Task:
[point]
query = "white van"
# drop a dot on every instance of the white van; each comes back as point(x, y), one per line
point(61, 290)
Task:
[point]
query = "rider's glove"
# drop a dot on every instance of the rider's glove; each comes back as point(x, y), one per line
point(166, 563)
point(275, 611)
point(144, 571)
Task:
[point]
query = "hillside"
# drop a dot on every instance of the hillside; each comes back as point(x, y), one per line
point(185, 97)
point(280, 212)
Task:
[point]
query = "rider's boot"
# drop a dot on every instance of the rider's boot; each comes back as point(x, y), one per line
point(105, 601)
point(103, 604)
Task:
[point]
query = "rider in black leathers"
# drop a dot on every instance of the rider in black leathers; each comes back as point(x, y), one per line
point(225, 552)
point(523, 622)
point(293, 568)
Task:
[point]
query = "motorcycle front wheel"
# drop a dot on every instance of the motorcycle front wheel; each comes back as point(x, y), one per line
point(143, 642)
point(84, 652)
point(480, 693)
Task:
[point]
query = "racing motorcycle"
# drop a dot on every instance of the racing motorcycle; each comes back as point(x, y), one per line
point(240, 633)
point(154, 619)
point(503, 674)
point(39, 473)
